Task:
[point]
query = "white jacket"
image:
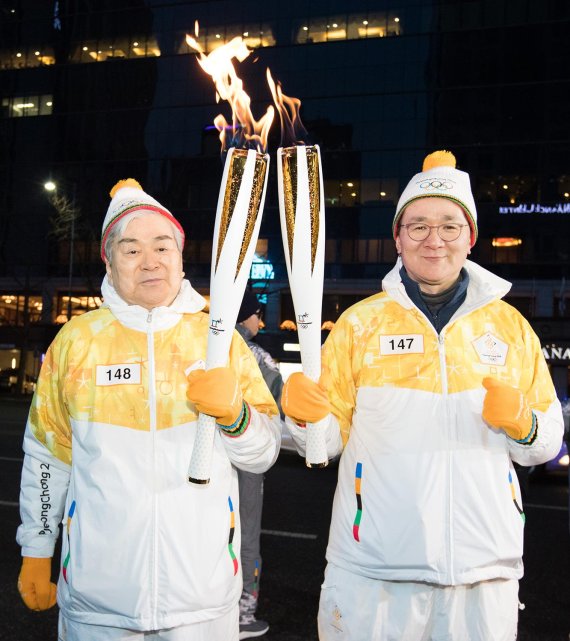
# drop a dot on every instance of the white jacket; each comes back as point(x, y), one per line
point(426, 489)
point(107, 446)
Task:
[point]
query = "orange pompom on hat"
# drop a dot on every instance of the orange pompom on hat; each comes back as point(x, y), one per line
point(440, 178)
point(128, 197)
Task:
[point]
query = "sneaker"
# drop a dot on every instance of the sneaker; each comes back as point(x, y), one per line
point(250, 627)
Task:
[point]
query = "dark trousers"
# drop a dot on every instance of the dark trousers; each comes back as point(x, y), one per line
point(250, 509)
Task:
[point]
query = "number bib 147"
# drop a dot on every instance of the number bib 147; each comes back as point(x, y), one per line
point(402, 344)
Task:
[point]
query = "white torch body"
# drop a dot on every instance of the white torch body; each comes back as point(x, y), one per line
point(236, 229)
point(301, 206)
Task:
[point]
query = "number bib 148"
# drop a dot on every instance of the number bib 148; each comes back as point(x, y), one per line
point(402, 344)
point(119, 374)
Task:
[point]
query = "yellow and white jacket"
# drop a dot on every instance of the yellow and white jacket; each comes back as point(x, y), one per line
point(426, 489)
point(107, 446)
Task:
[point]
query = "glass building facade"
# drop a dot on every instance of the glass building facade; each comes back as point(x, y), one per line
point(91, 92)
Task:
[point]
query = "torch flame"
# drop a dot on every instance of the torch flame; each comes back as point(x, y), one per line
point(246, 132)
point(292, 129)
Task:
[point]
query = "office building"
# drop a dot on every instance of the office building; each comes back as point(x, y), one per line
point(91, 92)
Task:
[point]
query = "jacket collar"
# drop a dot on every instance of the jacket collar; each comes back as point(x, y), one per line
point(483, 286)
point(188, 301)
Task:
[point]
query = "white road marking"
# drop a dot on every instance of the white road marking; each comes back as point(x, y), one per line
point(291, 535)
point(546, 507)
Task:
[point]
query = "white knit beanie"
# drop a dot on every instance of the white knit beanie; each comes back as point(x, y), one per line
point(439, 178)
point(127, 197)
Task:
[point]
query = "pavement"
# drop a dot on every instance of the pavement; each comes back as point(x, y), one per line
point(296, 519)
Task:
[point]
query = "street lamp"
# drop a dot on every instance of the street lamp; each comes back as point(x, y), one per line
point(67, 214)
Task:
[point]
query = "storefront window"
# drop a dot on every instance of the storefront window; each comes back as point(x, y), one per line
point(12, 308)
point(77, 305)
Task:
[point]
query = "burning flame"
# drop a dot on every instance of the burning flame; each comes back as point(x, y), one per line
point(292, 129)
point(246, 132)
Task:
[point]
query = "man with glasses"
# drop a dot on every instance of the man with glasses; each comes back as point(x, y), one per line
point(432, 389)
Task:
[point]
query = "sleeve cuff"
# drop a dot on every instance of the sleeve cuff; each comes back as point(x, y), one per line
point(238, 427)
point(531, 436)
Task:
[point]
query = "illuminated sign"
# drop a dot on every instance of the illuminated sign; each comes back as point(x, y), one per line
point(535, 208)
point(261, 269)
point(556, 352)
point(506, 242)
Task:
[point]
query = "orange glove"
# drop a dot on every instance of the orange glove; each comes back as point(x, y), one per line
point(506, 408)
point(216, 392)
point(303, 400)
point(34, 584)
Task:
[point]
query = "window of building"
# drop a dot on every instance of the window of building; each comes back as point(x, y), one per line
point(78, 304)
point(115, 48)
point(27, 57)
point(254, 35)
point(499, 250)
point(511, 190)
point(343, 193)
point(21, 106)
point(85, 252)
point(12, 308)
point(320, 29)
point(197, 252)
point(351, 27)
point(379, 190)
point(360, 250)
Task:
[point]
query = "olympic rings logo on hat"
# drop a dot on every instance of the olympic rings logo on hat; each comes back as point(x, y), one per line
point(437, 184)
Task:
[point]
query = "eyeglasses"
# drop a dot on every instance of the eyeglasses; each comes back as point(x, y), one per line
point(447, 231)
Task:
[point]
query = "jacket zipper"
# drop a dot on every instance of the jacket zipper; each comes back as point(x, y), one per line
point(459, 313)
point(444, 393)
point(154, 535)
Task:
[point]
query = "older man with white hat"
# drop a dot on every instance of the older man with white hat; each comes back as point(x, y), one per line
point(432, 389)
point(145, 555)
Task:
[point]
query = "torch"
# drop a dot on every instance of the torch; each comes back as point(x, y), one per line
point(236, 228)
point(302, 212)
point(301, 207)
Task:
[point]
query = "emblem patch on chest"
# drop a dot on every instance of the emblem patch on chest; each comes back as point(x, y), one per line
point(402, 344)
point(490, 349)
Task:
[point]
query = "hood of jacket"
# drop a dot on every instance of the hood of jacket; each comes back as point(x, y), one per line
point(188, 301)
